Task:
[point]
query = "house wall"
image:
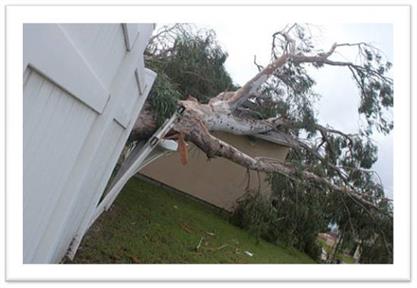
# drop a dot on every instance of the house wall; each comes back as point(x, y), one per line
point(217, 181)
point(84, 85)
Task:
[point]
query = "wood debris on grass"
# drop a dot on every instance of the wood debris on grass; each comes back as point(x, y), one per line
point(134, 259)
point(186, 228)
point(199, 244)
point(220, 247)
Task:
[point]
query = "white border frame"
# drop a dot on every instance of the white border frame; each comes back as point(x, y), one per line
point(17, 271)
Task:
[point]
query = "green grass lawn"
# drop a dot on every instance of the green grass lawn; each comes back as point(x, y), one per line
point(148, 224)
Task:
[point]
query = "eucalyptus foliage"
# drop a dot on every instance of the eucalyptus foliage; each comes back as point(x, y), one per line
point(192, 65)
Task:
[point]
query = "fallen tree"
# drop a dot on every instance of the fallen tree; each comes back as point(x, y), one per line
point(291, 50)
point(278, 99)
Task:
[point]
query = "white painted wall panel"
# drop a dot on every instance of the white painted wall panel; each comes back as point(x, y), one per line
point(103, 46)
point(83, 89)
point(127, 104)
point(55, 124)
point(145, 32)
point(131, 32)
point(63, 234)
point(109, 148)
point(48, 49)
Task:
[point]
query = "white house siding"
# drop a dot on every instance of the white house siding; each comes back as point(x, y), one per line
point(47, 165)
point(84, 86)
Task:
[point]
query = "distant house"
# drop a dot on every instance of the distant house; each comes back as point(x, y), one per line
point(219, 181)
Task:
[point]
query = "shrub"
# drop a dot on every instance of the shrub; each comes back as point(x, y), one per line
point(291, 216)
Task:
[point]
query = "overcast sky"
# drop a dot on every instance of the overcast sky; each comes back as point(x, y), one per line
point(339, 97)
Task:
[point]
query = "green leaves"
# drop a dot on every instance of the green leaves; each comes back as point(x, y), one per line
point(376, 89)
point(194, 64)
point(191, 64)
point(163, 97)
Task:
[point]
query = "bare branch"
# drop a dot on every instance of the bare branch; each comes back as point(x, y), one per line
point(260, 67)
point(251, 87)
